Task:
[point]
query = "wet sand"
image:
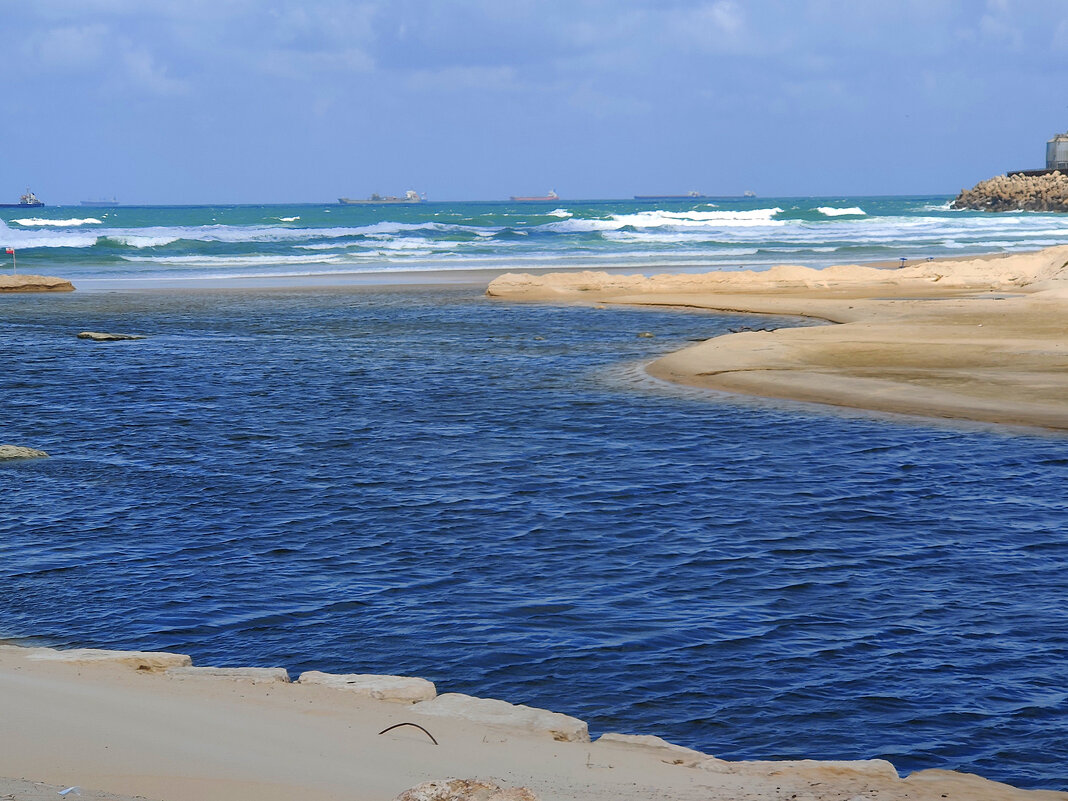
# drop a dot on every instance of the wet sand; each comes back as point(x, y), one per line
point(982, 339)
point(121, 724)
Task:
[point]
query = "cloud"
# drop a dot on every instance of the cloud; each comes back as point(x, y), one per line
point(69, 46)
point(301, 66)
point(998, 24)
point(144, 72)
point(462, 79)
point(96, 49)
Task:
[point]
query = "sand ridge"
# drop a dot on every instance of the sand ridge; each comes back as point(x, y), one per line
point(982, 339)
point(33, 283)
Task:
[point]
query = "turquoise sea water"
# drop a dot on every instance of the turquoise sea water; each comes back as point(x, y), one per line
point(150, 245)
point(494, 496)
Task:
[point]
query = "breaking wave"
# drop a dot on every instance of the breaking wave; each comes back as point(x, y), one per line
point(74, 221)
point(233, 261)
point(830, 211)
point(197, 241)
point(673, 219)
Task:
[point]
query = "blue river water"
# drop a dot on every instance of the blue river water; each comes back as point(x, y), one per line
point(494, 496)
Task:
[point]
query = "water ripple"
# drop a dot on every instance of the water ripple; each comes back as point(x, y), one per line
point(498, 498)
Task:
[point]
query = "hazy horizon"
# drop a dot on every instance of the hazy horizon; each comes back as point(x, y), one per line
point(194, 102)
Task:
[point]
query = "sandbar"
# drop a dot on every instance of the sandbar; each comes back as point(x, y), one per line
point(979, 338)
point(120, 724)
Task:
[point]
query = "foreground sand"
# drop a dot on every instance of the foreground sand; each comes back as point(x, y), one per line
point(119, 724)
point(979, 339)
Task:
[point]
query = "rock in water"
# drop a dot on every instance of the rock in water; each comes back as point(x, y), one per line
point(97, 336)
point(465, 790)
point(18, 452)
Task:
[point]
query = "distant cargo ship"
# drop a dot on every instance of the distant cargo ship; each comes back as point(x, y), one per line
point(100, 203)
point(687, 196)
point(25, 201)
point(694, 196)
point(411, 196)
point(522, 199)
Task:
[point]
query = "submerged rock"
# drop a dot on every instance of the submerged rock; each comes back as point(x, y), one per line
point(97, 336)
point(19, 452)
point(1017, 192)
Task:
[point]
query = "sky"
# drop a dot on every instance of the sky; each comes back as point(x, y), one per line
point(227, 101)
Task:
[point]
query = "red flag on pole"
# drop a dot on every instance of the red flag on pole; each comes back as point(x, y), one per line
point(11, 251)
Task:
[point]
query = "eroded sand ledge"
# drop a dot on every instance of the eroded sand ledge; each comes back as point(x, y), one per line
point(981, 339)
point(34, 283)
point(150, 724)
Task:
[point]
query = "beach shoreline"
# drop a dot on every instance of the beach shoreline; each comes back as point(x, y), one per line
point(979, 339)
point(118, 724)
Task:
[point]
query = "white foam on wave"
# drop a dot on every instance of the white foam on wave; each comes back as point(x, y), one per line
point(138, 240)
point(830, 211)
point(233, 261)
point(35, 238)
point(288, 219)
point(672, 219)
point(72, 222)
point(562, 213)
point(155, 236)
point(381, 242)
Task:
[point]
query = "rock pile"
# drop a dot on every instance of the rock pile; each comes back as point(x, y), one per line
point(1017, 193)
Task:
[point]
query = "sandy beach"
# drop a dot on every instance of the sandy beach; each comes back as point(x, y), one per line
point(982, 339)
point(119, 724)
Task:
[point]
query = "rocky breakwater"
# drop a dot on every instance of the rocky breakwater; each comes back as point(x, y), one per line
point(1017, 192)
point(34, 283)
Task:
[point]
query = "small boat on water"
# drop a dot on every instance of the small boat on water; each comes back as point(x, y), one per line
point(411, 196)
point(29, 200)
point(544, 198)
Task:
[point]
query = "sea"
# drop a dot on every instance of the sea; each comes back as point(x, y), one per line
point(163, 246)
point(332, 451)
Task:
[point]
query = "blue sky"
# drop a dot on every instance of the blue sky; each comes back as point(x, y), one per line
point(186, 101)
